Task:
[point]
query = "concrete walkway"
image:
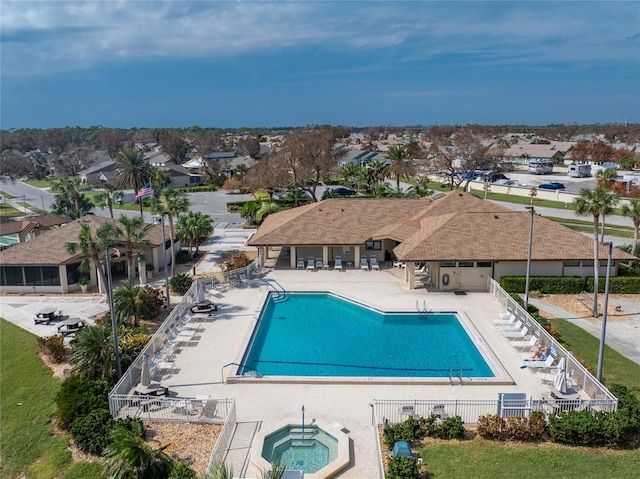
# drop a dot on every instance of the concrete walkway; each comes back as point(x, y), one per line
point(621, 335)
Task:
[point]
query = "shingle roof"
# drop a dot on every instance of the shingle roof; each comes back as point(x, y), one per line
point(43, 221)
point(48, 248)
point(449, 226)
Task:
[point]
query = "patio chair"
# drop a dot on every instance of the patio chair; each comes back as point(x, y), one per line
point(546, 363)
point(526, 343)
point(209, 408)
point(506, 315)
point(364, 264)
point(311, 263)
point(300, 263)
point(374, 262)
point(521, 333)
point(319, 264)
point(517, 324)
point(508, 321)
point(338, 264)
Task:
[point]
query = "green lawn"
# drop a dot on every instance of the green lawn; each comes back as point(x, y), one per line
point(6, 195)
point(39, 183)
point(26, 408)
point(8, 211)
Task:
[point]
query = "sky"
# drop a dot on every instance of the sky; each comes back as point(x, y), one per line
point(294, 63)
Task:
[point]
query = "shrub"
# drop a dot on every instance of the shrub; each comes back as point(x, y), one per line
point(617, 285)
point(450, 428)
point(181, 471)
point(132, 344)
point(132, 424)
point(53, 347)
point(180, 283)
point(543, 284)
point(407, 430)
point(403, 468)
point(182, 256)
point(78, 397)
point(582, 428)
point(516, 428)
point(92, 432)
point(155, 300)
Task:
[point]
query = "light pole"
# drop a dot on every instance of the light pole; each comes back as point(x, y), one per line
point(112, 310)
point(164, 261)
point(604, 314)
point(526, 286)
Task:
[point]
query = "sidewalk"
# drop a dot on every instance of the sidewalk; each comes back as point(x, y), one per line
point(623, 336)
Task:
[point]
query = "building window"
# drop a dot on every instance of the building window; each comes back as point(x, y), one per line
point(50, 276)
point(373, 245)
point(484, 264)
point(465, 264)
point(73, 273)
point(587, 263)
point(572, 264)
point(33, 276)
point(11, 276)
point(447, 264)
point(603, 262)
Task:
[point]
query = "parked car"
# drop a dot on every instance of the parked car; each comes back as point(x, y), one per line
point(553, 185)
point(342, 191)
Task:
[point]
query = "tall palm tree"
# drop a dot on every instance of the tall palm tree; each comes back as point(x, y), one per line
point(194, 226)
point(107, 197)
point(69, 199)
point(92, 354)
point(134, 171)
point(606, 179)
point(266, 208)
point(160, 178)
point(400, 165)
point(132, 235)
point(130, 457)
point(174, 204)
point(91, 246)
point(593, 203)
point(632, 210)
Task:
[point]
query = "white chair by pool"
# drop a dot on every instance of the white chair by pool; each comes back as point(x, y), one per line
point(311, 263)
point(338, 264)
point(364, 264)
point(374, 262)
point(319, 264)
point(300, 263)
point(521, 333)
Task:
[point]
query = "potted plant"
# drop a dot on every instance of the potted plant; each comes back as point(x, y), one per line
point(83, 281)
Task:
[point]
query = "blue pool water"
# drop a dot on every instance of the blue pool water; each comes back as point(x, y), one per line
point(318, 334)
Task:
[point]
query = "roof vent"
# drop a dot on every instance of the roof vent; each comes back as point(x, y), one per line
point(496, 217)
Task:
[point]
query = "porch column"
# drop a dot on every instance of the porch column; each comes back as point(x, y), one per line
point(356, 257)
point(293, 257)
point(142, 271)
point(411, 274)
point(325, 255)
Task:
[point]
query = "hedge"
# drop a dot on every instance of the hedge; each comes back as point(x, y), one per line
point(544, 284)
point(194, 189)
point(617, 284)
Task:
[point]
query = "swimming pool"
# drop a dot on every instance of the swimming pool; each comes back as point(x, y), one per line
point(325, 335)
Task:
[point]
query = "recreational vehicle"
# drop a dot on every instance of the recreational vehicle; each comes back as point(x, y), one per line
point(579, 171)
point(540, 167)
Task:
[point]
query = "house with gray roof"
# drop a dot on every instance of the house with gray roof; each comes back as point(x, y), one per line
point(460, 239)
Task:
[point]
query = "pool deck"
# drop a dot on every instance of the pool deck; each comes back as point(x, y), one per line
point(222, 341)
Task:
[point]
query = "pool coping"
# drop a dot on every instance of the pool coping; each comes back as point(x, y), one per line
point(502, 377)
point(334, 467)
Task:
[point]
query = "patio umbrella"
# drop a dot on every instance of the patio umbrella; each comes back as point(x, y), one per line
point(560, 382)
point(145, 376)
point(201, 298)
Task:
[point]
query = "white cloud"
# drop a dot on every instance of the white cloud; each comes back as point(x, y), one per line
point(44, 37)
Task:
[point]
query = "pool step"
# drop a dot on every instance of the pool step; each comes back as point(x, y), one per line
point(306, 430)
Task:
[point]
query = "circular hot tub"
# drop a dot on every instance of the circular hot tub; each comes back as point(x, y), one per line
point(319, 450)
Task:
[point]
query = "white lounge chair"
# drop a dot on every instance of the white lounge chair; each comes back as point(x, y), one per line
point(311, 263)
point(517, 324)
point(374, 262)
point(547, 363)
point(517, 334)
point(364, 264)
point(509, 320)
point(319, 264)
point(338, 264)
point(526, 343)
point(300, 263)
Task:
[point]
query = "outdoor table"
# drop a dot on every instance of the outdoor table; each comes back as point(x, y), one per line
point(349, 264)
point(153, 389)
point(71, 325)
point(45, 315)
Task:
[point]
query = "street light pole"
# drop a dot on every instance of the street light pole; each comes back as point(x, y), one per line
point(112, 310)
point(604, 314)
point(164, 261)
point(526, 286)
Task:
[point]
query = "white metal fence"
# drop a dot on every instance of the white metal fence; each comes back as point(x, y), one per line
point(224, 439)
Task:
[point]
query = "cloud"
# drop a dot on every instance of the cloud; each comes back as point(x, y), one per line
point(46, 37)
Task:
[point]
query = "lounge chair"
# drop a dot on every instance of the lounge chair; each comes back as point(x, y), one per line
point(300, 263)
point(319, 264)
point(506, 315)
point(364, 264)
point(517, 324)
point(374, 262)
point(337, 266)
point(311, 263)
point(508, 321)
point(248, 281)
point(521, 333)
point(526, 343)
point(546, 363)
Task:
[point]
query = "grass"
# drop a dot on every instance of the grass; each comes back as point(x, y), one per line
point(8, 211)
point(26, 408)
point(39, 183)
point(492, 460)
point(35, 209)
point(6, 195)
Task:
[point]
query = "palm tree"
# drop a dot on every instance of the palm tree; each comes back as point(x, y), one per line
point(92, 354)
point(69, 199)
point(219, 471)
point(193, 227)
point(133, 236)
point(134, 171)
point(107, 197)
point(399, 165)
point(160, 178)
point(130, 301)
point(91, 246)
point(632, 210)
point(249, 210)
point(593, 203)
point(266, 208)
point(606, 179)
point(174, 204)
point(420, 189)
point(130, 457)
